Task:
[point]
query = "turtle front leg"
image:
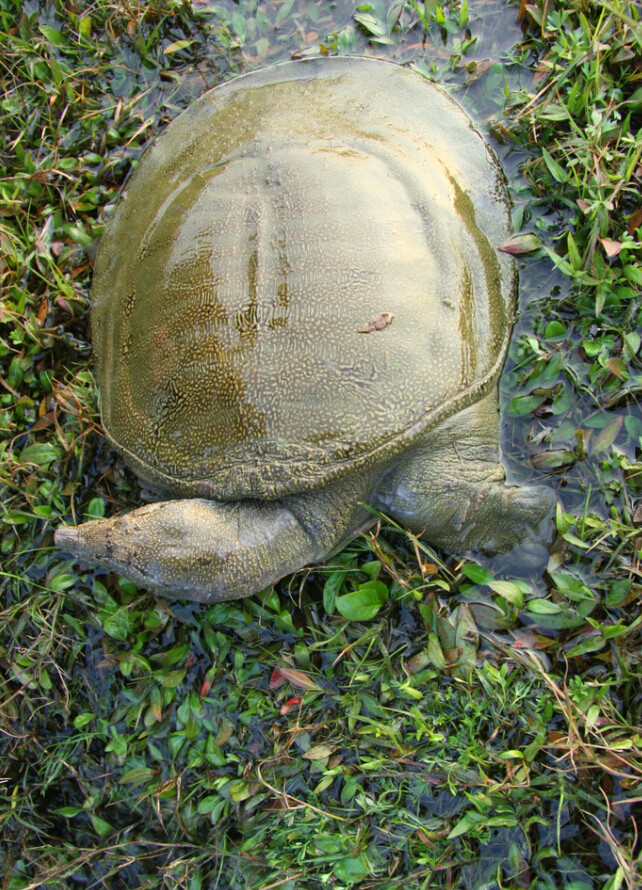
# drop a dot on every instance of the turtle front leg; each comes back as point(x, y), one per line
point(209, 550)
point(453, 489)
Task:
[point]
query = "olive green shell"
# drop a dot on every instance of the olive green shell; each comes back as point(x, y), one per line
point(300, 278)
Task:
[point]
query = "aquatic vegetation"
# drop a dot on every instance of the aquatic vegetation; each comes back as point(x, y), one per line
point(399, 717)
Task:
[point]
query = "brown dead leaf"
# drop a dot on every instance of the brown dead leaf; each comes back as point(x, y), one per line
point(612, 248)
point(476, 69)
point(429, 568)
point(378, 323)
point(418, 662)
point(318, 752)
point(43, 422)
point(618, 368)
point(607, 436)
point(542, 71)
point(635, 221)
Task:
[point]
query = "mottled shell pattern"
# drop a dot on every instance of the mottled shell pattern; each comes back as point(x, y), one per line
point(301, 278)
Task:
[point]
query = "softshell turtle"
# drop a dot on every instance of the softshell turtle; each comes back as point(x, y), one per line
point(299, 310)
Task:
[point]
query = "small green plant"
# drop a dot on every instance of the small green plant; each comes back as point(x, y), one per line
point(397, 718)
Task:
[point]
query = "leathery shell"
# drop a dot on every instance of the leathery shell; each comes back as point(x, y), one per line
point(269, 225)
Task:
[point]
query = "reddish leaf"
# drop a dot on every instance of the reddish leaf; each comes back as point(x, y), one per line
point(277, 679)
point(289, 704)
point(207, 682)
point(530, 640)
point(521, 245)
point(297, 678)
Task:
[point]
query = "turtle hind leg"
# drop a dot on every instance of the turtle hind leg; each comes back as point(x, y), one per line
point(208, 551)
point(453, 489)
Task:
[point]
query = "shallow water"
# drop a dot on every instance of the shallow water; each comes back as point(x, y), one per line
point(256, 34)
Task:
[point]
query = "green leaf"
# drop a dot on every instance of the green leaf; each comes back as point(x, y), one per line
point(239, 26)
point(68, 812)
point(177, 46)
point(240, 791)
point(573, 253)
point(229, 614)
point(172, 679)
point(607, 436)
point(62, 582)
point(574, 588)
point(16, 517)
point(78, 234)
point(477, 574)
point(577, 542)
point(370, 24)
point(631, 342)
point(435, 652)
point(117, 625)
point(137, 775)
point(101, 826)
point(522, 405)
point(372, 569)
point(556, 458)
point(468, 821)
point(508, 590)
point(592, 644)
point(364, 603)
point(554, 329)
point(633, 273)
point(95, 508)
point(543, 607)
point(52, 35)
point(40, 453)
point(558, 173)
point(554, 112)
point(284, 12)
point(330, 590)
point(351, 869)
